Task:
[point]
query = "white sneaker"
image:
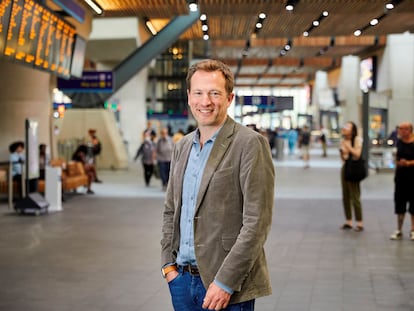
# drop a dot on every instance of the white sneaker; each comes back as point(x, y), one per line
point(412, 235)
point(397, 235)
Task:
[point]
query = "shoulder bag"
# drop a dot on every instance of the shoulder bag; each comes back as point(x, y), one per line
point(355, 170)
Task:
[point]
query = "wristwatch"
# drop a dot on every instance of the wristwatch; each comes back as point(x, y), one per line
point(167, 270)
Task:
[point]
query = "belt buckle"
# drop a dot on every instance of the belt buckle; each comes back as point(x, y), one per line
point(193, 270)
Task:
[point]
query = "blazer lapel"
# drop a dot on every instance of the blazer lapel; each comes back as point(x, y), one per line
point(182, 162)
point(220, 147)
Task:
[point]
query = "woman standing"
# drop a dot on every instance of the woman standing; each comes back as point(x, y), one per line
point(351, 146)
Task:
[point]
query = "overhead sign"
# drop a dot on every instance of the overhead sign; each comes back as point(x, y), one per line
point(91, 81)
point(72, 8)
point(269, 103)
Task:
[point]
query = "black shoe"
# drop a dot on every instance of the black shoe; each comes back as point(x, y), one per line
point(98, 181)
point(346, 227)
point(90, 192)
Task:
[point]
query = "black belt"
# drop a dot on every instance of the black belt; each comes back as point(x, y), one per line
point(193, 270)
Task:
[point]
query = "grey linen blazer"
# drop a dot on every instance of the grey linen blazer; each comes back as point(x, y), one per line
point(233, 212)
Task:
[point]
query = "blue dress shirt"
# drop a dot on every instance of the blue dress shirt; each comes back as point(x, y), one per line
point(192, 179)
point(191, 185)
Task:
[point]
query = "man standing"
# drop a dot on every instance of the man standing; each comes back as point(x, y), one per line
point(404, 178)
point(219, 201)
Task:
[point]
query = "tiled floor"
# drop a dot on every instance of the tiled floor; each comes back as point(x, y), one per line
point(102, 251)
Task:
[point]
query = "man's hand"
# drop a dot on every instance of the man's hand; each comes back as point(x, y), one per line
point(171, 276)
point(216, 298)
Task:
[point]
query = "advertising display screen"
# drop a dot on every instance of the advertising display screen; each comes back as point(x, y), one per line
point(367, 78)
point(36, 36)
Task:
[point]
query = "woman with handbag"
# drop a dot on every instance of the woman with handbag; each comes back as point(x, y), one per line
point(351, 148)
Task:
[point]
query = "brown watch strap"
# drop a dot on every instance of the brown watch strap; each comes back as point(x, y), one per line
point(168, 269)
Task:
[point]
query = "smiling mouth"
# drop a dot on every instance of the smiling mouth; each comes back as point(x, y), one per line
point(205, 110)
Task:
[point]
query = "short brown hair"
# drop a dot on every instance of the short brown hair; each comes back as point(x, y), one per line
point(210, 65)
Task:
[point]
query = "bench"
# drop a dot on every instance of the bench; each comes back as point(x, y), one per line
point(4, 177)
point(73, 175)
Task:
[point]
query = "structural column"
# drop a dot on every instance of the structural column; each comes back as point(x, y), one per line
point(349, 92)
point(401, 78)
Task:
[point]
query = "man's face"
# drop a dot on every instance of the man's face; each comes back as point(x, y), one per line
point(208, 99)
point(404, 130)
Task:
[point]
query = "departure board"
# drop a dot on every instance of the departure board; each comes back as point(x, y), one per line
point(36, 36)
point(5, 12)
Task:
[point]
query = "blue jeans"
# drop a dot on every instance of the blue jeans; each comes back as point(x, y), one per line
point(187, 293)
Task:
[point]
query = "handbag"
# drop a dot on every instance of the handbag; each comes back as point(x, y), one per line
point(355, 170)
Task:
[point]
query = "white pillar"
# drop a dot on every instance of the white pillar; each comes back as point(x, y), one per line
point(401, 70)
point(349, 92)
point(322, 97)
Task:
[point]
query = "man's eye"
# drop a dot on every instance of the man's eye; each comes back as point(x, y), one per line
point(214, 94)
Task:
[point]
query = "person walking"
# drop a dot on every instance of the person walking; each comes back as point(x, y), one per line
point(404, 179)
point(351, 146)
point(219, 202)
point(147, 153)
point(305, 140)
point(164, 149)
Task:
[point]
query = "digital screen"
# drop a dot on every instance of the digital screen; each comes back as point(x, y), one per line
point(5, 12)
point(36, 36)
point(367, 74)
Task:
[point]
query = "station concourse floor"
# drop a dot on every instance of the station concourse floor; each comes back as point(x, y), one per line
point(102, 251)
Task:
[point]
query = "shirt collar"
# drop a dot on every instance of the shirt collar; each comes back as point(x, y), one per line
point(196, 139)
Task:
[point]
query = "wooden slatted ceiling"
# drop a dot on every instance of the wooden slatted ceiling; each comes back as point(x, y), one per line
point(231, 23)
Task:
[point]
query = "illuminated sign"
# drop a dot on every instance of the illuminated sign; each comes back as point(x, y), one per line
point(36, 36)
point(91, 81)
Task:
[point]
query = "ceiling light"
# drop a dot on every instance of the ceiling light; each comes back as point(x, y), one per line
point(204, 27)
point(315, 23)
point(259, 25)
point(193, 6)
point(389, 6)
point(150, 27)
point(325, 13)
point(373, 22)
point(290, 5)
point(357, 33)
point(94, 6)
point(203, 17)
point(262, 15)
point(206, 37)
